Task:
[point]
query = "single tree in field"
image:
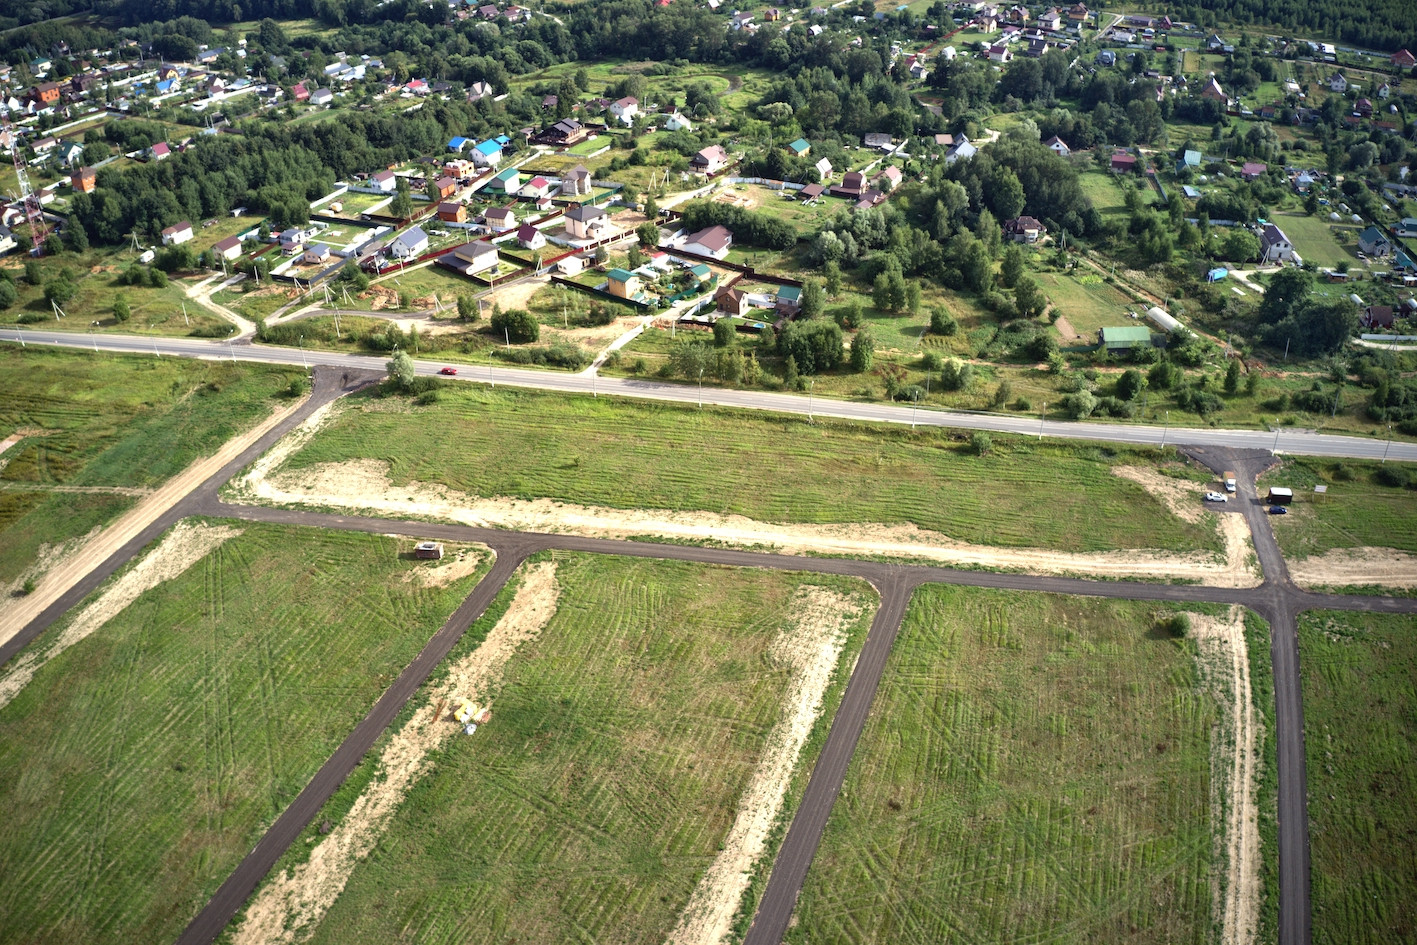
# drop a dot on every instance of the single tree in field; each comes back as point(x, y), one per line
point(863, 351)
point(400, 368)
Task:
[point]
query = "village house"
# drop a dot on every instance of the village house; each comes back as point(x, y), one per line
point(508, 181)
point(1123, 163)
point(960, 150)
point(1214, 92)
point(478, 91)
point(1058, 146)
point(1338, 83)
point(622, 284)
point(889, 179)
point(228, 249)
point(409, 244)
point(1374, 242)
point(710, 160)
point(84, 180)
point(1024, 230)
point(576, 182)
point(471, 258)
point(1404, 59)
point(714, 241)
point(529, 237)
point(486, 153)
point(1377, 316)
point(731, 301)
point(450, 211)
point(677, 122)
point(1252, 170)
point(159, 151)
point(383, 181)
point(800, 148)
point(824, 169)
point(500, 219)
point(317, 254)
point(177, 234)
point(445, 187)
point(626, 109)
point(1275, 247)
point(587, 222)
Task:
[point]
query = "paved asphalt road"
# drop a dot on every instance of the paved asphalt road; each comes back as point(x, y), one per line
point(1278, 600)
point(1285, 441)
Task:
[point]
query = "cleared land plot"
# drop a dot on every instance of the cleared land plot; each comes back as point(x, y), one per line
point(1035, 769)
point(1102, 188)
point(1313, 238)
point(101, 422)
point(1360, 735)
point(139, 766)
point(629, 455)
point(1087, 302)
point(622, 740)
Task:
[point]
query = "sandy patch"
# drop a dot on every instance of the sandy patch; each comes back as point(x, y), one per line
point(457, 562)
point(183, 547)
point(1225, 670)
point(1356, 566)
point(65, 575)
point(365, 485)
point(1182, 497)
point(594, 337)
point(292, 904)
point(811, 646)
point(47, 556)
point(516, 295)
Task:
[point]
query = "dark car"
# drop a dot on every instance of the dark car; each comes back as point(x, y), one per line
point(1278, 510)
point(448, 370)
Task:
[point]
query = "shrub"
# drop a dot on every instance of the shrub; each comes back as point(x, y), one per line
point(942, 322)
point(516, 326)
point(1175, 626)
point(980, 442)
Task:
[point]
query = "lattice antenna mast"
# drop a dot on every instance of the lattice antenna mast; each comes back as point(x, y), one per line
point(33, 213)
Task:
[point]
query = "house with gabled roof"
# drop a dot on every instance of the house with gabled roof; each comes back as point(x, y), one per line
point(710, 160)
point(800, 148)
point(1253, 170)
point(1275, 247)
point(1058, 146)
point(450, 211)
point(177, 234)
point(529, 237)
point(1403, 59)
point(623, 284)
point(587, 222)
point(508, 181)
point(471, 258)
point(409, 244)
point(1374, 242)
point(500, 219)
point(1024, 230)
point(576, 182)
point(1338, 82)
point(228, 249)
point(713, 241)
point(625, 109)
point(1123, 163)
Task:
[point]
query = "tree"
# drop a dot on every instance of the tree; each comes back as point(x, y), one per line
point(59, 291)
point(648, 233)
point(651, 209)
point(121, 311)
point(431, 190)
point(1317, 328)
point(1130, 384)
point(635, 257)
point(1240, 245)
point(814, 299)
point(789, 373)
point(34, 273)
point(1232, 376)
point(863, 351)
point(832, 270)
point(400, 368)
point(956, 375)
point(980, 442)
point(1012, 267)
point(7, 294)
point(724, 334)
point(690, 359)
point(942, 322)
point(601, 255)
point(402, 204)
point(912, 297)
point(467, 308)
point(1080, 405)
point(1286, 290)
point(1028, 299)
point(75, 236)
point(516, 326)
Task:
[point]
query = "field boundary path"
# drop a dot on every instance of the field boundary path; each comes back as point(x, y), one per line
point(1278, 600)
point(1281, 441)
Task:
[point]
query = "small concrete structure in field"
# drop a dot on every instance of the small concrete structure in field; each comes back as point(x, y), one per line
point(431, 550)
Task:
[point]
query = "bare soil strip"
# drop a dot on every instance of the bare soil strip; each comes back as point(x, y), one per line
point(812, 647)
point(290, 907)
point(1343, 567)
point(74, 568)
point(1234, 754)
point(184, 546)
point(364, 485)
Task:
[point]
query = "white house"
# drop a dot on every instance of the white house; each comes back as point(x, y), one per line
point(586, 222)
point(677, 122)
point(321, 97)
point(1338, 83)
point(412, 242)
point(1274, 245)
point(529, 237)
point(570, 265)
point(384, 181)
point(1058, 146)
point(177, 233)
point(626, 109)
point(471, 258)
point(715, 241)
point(487, 153)
point(824, 168)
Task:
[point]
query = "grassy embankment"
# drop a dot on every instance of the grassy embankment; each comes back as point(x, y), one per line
point(104, 421)
point(632, 455)
point(139, 766)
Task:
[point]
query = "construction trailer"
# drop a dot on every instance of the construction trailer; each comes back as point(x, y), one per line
point(1280, 496)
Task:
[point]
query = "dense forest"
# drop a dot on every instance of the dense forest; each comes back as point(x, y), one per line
point(1373, 24)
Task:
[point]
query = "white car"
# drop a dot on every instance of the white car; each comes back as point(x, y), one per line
point(1216, 497)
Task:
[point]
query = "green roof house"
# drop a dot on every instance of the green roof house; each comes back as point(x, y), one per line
point(801, 147)
point(701, 272)
point(1125, 337)
point(509, 181)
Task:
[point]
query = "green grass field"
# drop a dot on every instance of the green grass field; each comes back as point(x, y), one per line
point(1360, 737)
point(1035, 769)
point(1087, 302)
point(1356, 511)
point(104, 420)
point(1314, 240)
point(138, 767)
point(622, 739)
point(635, 455)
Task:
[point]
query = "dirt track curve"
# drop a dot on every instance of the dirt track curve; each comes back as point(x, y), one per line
point(1278, 600)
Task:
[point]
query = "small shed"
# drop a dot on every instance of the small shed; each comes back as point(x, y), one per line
point(1278, 495)
point(1124, 337)
point(432, 550)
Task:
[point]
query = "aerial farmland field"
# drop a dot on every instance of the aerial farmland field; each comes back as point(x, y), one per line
point(149, 739)
point(626, 747)
point(1034, 769)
